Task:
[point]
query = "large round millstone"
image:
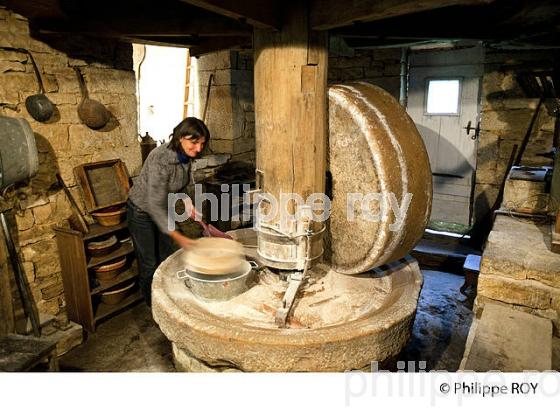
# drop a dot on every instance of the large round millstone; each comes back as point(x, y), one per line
point(376, 155)
point(340, 322)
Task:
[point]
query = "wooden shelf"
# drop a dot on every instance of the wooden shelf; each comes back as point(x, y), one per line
point(132, 272)
point(97, 230)
point(123, 250)
point(77, 275)
point(104, 311)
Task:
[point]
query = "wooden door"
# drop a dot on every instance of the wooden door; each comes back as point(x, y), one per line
point(443, 98)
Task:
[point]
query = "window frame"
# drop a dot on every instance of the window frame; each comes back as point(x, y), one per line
point(427, 89)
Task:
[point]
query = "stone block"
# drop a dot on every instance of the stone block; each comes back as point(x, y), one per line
point(25, 221)
point(41, 250)
point(47, 61)
point(47, 266)
point(517, 292)
point(351, 74)
point(350, 62)
point(520, 103)
point(220, 116)
point(215, 160)
point(221, 146)
point(13, 56)
point(42, 213)
point(486, 173)
point(11, 66)
point(51, 306)
point(520, 251)
point(101, 81)
point(51, 137)
point(512, 122)
point(64, 98)
point(505, 340)
point(52, 291)
point(50, 83)
point(68, 114)
point(87, 141)
point(67, 338)
point(37, 234)
point(221, 77)
point(492, 83)
point(243, 145)
point(372, 72)
point(12, 83)
point(68, 83)
point(392, 69)
point(249, 157)
point(29, 270)
point(123, 107)
point(216, 61)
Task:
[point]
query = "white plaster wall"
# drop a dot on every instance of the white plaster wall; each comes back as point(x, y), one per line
point(161, 89)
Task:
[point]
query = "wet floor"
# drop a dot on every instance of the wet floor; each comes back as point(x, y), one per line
point(132, 341)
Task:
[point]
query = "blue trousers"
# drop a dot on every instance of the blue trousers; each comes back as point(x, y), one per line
point(151, 246)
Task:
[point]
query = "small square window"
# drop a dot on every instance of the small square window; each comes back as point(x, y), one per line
point(443, 97)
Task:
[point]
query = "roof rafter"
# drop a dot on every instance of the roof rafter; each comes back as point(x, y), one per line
point(328, 14)
point(258, 13)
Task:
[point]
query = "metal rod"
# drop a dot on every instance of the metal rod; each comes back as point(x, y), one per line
point(529, 132)
point(404, 77)
point(20, 278)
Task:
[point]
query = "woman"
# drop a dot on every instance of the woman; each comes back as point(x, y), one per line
point(166, 170)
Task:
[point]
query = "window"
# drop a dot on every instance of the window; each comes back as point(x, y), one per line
point(443, 97)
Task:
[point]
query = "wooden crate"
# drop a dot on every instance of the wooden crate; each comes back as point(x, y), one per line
point(104, 184)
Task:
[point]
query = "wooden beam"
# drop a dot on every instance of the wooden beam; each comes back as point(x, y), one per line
point(258, 13)
point(211, 44)
point(290, 75)
point(185, 42)
point(141, 26)
point(329, 14)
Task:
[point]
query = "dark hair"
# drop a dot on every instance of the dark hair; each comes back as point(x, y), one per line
point(190, 127)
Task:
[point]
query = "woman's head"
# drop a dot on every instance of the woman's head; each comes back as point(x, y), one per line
point(190, 136)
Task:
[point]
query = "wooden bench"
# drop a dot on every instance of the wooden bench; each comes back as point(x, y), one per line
point(22, 353)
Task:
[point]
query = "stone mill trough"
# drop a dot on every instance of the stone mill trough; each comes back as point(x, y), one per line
point(329, 295)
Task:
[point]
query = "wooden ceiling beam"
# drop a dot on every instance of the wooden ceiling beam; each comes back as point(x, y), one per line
point(212, 44)
point(184, 42)
point(329, 14)
point(493, 22)
point(140, 26)
point(258, 13)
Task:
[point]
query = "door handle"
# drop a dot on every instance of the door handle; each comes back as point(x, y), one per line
point(470, 128)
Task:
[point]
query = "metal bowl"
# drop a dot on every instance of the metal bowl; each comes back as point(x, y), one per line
point(212, 288)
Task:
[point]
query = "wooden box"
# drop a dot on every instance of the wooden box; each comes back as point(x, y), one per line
point(104, 184)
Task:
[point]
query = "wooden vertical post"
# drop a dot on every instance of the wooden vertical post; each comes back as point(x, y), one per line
point(291, 124)
point(291, 105)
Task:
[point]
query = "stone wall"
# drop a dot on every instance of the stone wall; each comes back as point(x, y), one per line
point(380, 67)
point(519, 270)
point(230, 114)
point(63, 143)
point(505, 116)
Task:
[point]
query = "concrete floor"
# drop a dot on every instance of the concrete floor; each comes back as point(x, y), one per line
point(132, 341)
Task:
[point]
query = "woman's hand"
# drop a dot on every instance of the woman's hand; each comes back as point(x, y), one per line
point(181, 240)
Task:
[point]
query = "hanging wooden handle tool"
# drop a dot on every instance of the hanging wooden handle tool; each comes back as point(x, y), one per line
point(81, 222)
point(22, 285)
